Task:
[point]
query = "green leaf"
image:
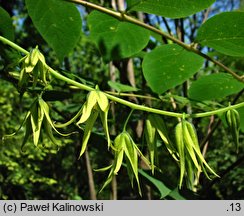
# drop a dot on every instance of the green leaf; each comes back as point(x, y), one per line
point(168, 66)
point(176, 195)
point(179, 99)
point(6, 27)
point(121, 87)
point(116, 39)
point(58, 22)
point(224, 32)
point(169, 8)
point(214, 86)
point(162, 188)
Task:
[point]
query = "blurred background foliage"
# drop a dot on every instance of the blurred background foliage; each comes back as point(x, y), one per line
point(50, 173)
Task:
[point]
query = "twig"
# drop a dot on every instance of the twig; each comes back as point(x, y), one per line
point(124, 17)
point(134, 106)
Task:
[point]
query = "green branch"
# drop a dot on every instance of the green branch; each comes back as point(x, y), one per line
point(133, 106)
point(124, 17)
point(13, 45)
point(218, 111)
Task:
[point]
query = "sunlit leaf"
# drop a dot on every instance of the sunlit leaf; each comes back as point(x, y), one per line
point(59, 23)
point(224, 32)
point(169, 8)
point(114, 38)
point(168, 66)
point(214, 86)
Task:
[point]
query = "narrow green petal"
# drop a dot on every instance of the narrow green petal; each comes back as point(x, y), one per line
point(87, 132)
point(102, 101)
point(119, 144)
point(104, 119)
point(37, 115)
point(181, 150)
point(88, 106)
point(44, 106)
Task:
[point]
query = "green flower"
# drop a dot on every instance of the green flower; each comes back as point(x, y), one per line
point(97, 104)
point(33, 69)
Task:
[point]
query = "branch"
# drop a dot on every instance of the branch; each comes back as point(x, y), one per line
point(13, 45)
point(122, 101)
point(124, 17)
